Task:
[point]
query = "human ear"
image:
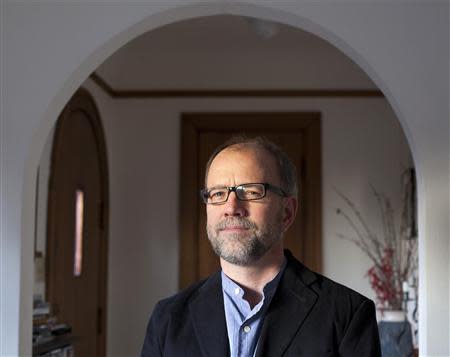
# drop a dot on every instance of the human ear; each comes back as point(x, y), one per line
point(289, 212)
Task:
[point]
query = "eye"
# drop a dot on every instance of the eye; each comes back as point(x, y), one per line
point(251, 192)
point(218, 194)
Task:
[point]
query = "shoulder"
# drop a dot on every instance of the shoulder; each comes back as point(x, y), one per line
point(339, 293)
point(180, 300)
point(178, 303)
point(329, 292)
point(172, 311)
point(342, 311)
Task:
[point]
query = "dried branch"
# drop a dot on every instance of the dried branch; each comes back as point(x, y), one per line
point(394, 257)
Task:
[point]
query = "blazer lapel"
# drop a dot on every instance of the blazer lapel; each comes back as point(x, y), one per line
point(288, 310)
point(208, 316)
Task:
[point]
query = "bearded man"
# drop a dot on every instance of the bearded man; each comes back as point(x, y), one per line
point(263, 302)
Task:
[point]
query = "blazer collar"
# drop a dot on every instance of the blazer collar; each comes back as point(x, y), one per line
point(294, 297)
point(208, 316)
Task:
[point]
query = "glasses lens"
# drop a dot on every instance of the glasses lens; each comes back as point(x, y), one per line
point(217, 195)
point(250, 192)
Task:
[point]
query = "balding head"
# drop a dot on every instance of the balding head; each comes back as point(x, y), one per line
point(285, 167)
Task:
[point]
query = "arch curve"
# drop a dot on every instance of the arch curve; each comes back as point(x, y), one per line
point(122, 37)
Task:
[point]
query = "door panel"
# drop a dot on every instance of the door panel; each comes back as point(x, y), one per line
point(76, 249)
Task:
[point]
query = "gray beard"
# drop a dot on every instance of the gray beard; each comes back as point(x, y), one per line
point(244, 248)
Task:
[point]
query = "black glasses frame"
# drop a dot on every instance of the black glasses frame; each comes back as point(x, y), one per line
point(204, 193)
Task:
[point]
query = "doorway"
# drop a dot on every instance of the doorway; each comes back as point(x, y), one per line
point(76, 271)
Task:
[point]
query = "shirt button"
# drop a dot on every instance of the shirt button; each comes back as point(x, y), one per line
point(247, 329)
point(237, 291)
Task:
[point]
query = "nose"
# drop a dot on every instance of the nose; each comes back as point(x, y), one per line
point(234, 207)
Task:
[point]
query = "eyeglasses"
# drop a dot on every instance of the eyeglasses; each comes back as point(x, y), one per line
point(245, 192)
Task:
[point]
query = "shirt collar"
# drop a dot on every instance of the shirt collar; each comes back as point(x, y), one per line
point(234, 289)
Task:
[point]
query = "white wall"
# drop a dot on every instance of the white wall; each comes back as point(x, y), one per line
point(48, 51)
point(143, 231)
point(41, 216)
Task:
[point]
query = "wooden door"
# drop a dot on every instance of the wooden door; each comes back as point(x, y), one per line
point(297, 133)
point(76, 247)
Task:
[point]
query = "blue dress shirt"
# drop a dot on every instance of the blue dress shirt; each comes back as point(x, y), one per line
point(243, 323)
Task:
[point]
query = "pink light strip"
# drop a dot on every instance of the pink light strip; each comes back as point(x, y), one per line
point(79, 214)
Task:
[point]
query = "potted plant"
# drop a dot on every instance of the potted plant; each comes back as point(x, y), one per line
point(394, 261)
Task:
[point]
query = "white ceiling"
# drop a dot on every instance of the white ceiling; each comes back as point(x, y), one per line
point(225, 52)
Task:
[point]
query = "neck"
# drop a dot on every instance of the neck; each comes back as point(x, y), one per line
point(252, 278)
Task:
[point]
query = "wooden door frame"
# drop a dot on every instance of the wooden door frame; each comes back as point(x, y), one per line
point(192, 124)
point(83, 101)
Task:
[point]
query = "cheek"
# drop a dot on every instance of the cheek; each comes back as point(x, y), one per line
point(265, 214)
point(212, 215)
point(274, 216)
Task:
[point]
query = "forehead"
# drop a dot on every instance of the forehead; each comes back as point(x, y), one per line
point(242, 165)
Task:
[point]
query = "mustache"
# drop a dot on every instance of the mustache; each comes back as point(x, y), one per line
point(235, 222)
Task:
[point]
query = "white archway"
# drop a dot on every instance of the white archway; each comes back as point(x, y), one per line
point(154, 21)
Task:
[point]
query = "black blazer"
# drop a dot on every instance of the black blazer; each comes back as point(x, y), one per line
point(309, 315)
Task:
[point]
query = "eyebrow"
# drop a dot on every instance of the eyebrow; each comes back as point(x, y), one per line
point(218, 186)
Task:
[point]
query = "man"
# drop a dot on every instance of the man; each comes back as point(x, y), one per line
point(264, 302)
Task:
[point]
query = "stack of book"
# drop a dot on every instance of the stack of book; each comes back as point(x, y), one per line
point(50, 339)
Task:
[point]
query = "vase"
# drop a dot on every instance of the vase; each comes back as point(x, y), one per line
point(395, 334)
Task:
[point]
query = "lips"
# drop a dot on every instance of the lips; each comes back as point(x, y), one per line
point(234, 228)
